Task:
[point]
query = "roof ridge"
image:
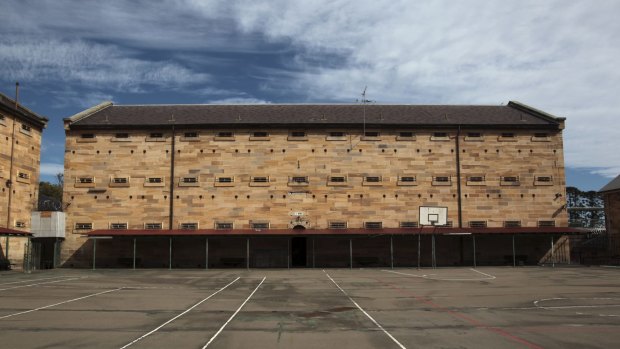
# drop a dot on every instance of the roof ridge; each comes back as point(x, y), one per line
point(88, 112)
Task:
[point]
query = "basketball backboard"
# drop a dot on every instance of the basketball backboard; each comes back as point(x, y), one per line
point(433, 215)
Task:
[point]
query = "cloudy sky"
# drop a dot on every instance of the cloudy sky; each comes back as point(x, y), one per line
point(559, 56)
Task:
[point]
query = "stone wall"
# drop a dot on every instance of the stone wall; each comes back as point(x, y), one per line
point(316, 156)
point(25, 180)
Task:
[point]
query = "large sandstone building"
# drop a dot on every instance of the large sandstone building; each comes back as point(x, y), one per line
point(312, 185)
point(20, 158)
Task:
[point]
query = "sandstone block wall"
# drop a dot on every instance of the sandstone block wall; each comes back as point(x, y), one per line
point(317, 157)
point(25, 180)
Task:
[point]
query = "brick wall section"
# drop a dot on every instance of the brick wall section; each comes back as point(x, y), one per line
point(316, 157)
point(612, 214)
point(25, 191)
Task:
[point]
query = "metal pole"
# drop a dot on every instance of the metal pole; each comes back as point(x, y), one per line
point(134, 253)
point(391, 251)
point(313, 265)
point(350, 253)
point(514, 255)
point(6, 253)
point(94, 252)
point(419, 237)
point(55, 252)
point(247, 253)
point(288, 253)
point(28, 256)
point(552, 254)
point(206, 253)
point(170, 254)
point(434, 261)
point(474, 241)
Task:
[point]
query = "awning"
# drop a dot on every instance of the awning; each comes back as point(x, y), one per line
point(13, 232)
point(333, 232)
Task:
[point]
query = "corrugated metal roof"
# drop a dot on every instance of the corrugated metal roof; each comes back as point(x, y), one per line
point(613, 185)
point(108, 115)
point(13, 232)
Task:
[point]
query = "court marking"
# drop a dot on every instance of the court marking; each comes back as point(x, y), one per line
point(40, 283)
point(365, 313)
point(59, 303)
point(561, 307)
point(430, 277)
point(465, 318)
point(233, 315)
point(178, 316)
point(21, 282)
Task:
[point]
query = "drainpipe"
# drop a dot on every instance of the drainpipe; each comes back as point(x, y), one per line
point(458, 177)
point(171, 213)
point(9, 183)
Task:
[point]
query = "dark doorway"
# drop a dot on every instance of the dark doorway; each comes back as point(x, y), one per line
point(298, 252)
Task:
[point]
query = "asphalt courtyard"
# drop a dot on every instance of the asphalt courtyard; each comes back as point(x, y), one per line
point(527, 307)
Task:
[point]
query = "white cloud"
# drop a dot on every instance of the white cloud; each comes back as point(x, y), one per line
point(51, 169)
point(88, 64)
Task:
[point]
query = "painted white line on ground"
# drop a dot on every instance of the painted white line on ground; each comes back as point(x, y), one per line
point(56, 304)
point(489, 276)
point(233, 315)
point(178, 316)
point(365, 313)
point(428, 277)
point(610, 266)
point(21, 282)
point(40, 283)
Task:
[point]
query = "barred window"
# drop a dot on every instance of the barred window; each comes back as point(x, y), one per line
point(372, 179)
point(153, 226)
point(337, 134)
point(260, 134)
point(337, 225)
point(440, 134)
point(20, 224)
point(83, 226)
point(120, 180)
point(118, 226)
point(121, 135)
point(87, 135)
point(23, 175)
point(407, 179)
point(298, 134)
point(26, 128)
point(225, 134)
point(155, 180)
point(189, 226)
point(508, 135)
point(544, 179)
point(408, 224)
point(86, 180)
point(512, 224)
point(156, 135)
point(223, 225)
point(190, 134)
point(224, 179)
point(260, 179)
point(510, 179)
point(189, 180)
point(259, 225)
point(299, 179)
point(371, 134)
point(337, 179)
point(406, 134)
point(373, 225)
point(441, 179)
point(542, 224)
point(475, 179)
point(477, 224)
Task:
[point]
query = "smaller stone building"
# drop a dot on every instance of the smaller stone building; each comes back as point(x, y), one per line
point(611, 197)
point(20, 159)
